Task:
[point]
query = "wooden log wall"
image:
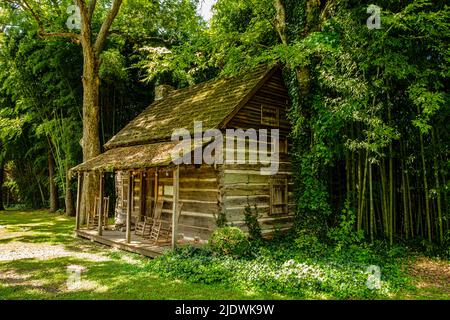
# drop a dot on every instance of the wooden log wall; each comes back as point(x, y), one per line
point(242, 184)
point(199, 194)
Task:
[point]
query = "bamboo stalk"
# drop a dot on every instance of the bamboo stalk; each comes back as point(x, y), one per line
point(438, 189)
point(362, 200)
point(384, 200)
point(405, 201)
point(425, 185)
point(372, 212)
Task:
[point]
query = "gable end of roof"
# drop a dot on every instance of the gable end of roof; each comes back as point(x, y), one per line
point(213, 102)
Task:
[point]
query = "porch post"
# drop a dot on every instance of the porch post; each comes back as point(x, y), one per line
point(77, 212)
point(176, 182)
point(156, 191)
point(100, 210)
point(143, 192)
point(129, 206)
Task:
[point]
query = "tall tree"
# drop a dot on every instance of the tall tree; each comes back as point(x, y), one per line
point(92, 46)
point(53, 189)
point(2, 175)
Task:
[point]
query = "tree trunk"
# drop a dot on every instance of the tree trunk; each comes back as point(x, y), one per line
point(410, 204)
point(91, 84)
point(405, 200)
point(391, 191)
point(91, 139)
point(70, 211)
point(53, 189)
point(280, 20)
point(2, 175)
point(384, 199)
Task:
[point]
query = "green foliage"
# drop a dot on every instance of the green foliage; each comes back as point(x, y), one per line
point(221, 220)
point(306, 241)
point(278, 267)
point(252, 223)
point(113, 67)
point(37, 95)
point(344, 233)
point(229, 241)
point(41, 88)
point(358, 96)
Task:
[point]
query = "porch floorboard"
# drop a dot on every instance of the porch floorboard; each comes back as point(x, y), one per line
point(116, 239)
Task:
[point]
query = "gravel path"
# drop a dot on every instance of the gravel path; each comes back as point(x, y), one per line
point(21, 250)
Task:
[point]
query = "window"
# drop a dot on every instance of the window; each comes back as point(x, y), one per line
point(270, 116)
point(278, 196)
point(168, 191)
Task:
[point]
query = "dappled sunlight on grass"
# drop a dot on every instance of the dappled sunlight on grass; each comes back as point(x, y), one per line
point(42, 247)
point(113, 279)
point(37, 247)
point(37, 227)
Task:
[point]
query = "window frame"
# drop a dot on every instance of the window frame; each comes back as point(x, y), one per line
point(275, 110)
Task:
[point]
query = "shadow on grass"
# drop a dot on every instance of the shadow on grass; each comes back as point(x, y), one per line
point(121, 276)
point(114, 279)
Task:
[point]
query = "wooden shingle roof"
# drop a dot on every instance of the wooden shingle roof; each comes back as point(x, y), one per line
point(211, 102)
point(131, 157)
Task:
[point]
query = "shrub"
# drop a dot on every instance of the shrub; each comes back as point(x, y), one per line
point(344, 234)
point(251, 221)
point(193, 264)
point(229, 241)
point(309, 243)
point(281, 270)
point(221, 219)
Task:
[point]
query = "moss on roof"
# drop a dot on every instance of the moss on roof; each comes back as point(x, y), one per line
point(145, 141)
point(210, 102)
point(132, 157)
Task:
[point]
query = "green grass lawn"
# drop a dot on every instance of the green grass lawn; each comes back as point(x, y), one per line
point(36, 249)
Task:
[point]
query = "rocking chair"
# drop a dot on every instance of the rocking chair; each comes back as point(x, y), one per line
point(163, 228)
point(92, 220)
point(144, 226)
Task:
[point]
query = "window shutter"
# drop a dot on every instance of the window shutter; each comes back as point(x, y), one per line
point(278, 196)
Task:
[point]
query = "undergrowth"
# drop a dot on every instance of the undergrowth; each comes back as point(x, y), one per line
point(305, 268)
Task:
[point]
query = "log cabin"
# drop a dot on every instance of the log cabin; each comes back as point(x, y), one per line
point(161, 204)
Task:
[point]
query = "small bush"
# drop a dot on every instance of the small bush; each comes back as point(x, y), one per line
point(344, 234)
point(309, 243)
point(229, 241)
point(251, 221)
point(221, 220)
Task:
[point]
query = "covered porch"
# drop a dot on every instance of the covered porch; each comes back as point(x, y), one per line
point(116, 239)
point(145, 201)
